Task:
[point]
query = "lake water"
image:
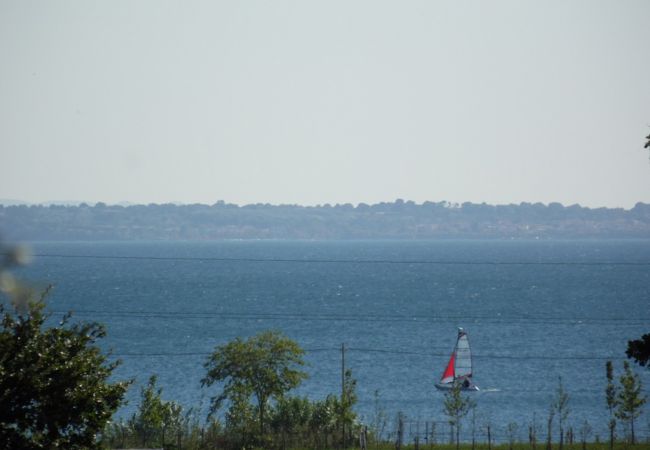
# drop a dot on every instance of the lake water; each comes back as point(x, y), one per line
point(534, 311)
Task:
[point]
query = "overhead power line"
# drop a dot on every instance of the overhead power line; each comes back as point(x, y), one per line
point(394, 352)
point(349, 261)
point(347, 317)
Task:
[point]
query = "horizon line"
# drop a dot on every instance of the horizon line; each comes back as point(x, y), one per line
point(445, 203)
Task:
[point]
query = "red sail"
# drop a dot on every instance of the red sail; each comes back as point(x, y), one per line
point(448, 376)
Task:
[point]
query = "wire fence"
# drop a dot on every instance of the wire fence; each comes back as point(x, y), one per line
point(434, 432)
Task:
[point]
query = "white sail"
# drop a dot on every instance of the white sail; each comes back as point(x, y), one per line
point(463, 356)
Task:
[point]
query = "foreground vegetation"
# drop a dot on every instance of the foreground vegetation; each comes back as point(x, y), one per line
point(256, 375)
point(515, 446)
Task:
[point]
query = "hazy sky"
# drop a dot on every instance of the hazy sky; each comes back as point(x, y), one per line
point(325, 102)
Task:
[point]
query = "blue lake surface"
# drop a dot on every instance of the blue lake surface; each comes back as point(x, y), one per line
point(534, 311)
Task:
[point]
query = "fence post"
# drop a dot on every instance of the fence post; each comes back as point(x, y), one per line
point(363, 435)
point(433, 434)
point(426, 431)
point(531, 437)
point(400, 431)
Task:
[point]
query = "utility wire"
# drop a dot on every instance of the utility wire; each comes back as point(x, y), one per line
point(388, 351)
point(342, 317)
point(348, 261)
point(151, 314)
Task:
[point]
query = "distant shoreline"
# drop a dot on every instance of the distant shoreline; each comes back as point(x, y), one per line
point(5, 202)
point(399, 220)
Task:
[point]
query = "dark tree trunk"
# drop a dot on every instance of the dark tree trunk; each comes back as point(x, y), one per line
point(261, 403)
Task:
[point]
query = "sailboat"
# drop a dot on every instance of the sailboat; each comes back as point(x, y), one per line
point(459, 367)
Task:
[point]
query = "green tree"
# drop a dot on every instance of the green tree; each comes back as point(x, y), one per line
point(630, 399)
point(241, 421)
point(611, 398)
point(292, 415)
point(174, 423)
point(152, 412)
point(323, 419)
point(456, 407)
point(639, 349)
point(346, 415)
point(264, 366)
point(155, 422)
point(54, 387)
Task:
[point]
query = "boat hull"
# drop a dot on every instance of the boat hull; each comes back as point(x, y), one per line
point(450, 386)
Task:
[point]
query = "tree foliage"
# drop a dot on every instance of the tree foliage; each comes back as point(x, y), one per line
point(155, 416)
point(610, 398)
point(54, 387)
point(265, 366)
point(639, 349)
point(159, 423)
point(297, 421)
point(456, 406)
point(291, 414)
point(346, 415)
point(630, 397)
point(149, 417)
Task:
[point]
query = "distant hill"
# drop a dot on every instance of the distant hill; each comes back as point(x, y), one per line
point(393, 220)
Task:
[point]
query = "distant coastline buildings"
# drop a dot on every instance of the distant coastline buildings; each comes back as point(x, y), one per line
point(388, 220)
